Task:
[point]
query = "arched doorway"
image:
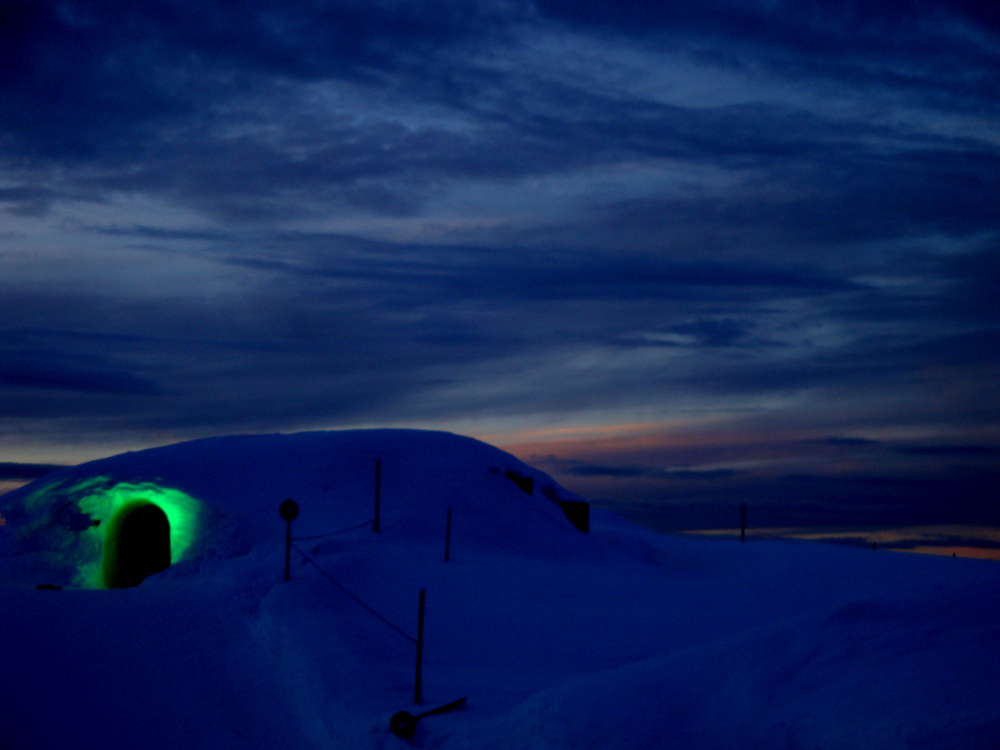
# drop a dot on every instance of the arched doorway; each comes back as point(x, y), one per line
point(137, 544)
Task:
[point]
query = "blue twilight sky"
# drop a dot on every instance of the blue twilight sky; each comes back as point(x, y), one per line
point(685, 251)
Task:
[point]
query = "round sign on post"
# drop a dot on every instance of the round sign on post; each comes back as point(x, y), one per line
point(289, 510)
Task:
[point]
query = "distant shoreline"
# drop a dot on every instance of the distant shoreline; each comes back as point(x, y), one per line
point(951, 540)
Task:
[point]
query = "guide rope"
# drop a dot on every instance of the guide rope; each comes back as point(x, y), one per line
point(332, 533)
point(343, 588)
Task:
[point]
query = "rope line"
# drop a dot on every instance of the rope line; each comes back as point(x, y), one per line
point(341, 586)
point(332, 533)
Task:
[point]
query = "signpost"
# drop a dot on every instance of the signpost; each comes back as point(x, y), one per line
point(289, 510)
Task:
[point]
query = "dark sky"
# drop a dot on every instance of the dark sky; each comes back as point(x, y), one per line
point(692, 251)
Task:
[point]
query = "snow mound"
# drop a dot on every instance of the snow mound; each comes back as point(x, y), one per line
point(222, 497)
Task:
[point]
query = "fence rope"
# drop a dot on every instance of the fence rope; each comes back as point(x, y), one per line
point(343, 588)
point(332, 533)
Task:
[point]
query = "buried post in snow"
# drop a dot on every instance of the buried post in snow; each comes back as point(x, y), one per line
point(418, 682)
point(378, 494)
point(447, 537)
point(404, 724)
point(289, 510)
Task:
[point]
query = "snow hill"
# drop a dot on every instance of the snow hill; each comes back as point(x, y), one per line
point(616, 638)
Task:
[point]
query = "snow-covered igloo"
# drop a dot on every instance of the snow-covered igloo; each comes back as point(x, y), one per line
point(112, 522)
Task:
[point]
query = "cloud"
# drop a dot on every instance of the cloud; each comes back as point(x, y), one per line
point(45, 375)
point(598, 470)
point(958, 451)
point(25, 365)
point(265, 111)
point(897, 43)
point(846, 442)
point(82, 78)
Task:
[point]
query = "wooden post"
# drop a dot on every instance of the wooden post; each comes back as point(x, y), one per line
point(743, 522)
point(288, 550)
point(447, 537)
point(418, 682)
point(289, 510)
point(378, 493)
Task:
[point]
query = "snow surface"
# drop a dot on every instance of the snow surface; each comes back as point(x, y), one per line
point(620, 638)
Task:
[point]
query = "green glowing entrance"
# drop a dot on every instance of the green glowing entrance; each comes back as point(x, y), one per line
point(142, 528)
point(137, 544)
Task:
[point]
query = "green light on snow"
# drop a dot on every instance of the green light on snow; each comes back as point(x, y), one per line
point(105, 503)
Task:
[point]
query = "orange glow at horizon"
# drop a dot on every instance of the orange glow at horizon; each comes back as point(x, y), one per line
point(550, 435)
point(708, 446)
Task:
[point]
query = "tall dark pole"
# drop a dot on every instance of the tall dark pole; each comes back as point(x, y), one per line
point(289, 510)
point(447, 537)
point(743, 522)
point(288, 550)
point(418, 682)
point(378, 492)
